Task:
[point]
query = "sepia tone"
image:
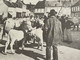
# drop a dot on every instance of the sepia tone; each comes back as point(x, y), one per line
point(39, 29)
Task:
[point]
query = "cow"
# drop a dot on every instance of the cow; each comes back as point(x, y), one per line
point(13, 35)
point(37, 33)
point(38, 36)
point(16, 32)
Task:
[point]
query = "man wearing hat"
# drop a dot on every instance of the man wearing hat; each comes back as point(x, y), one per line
point(50, 36)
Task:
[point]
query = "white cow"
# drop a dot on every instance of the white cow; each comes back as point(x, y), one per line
point(9, 24)
point(13, 35)
point(38, 35)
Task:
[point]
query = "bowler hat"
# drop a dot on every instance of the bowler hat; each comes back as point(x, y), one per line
point(53, 12)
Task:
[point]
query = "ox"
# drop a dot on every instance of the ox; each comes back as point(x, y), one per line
point(8, 24)
point(38, 36)
point(38, 33)
point(15, 34)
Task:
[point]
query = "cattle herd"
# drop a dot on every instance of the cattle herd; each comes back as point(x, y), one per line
point(20, 29)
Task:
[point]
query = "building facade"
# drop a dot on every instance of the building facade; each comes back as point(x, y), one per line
point(62, 7)
point(44, 7)
point(13, 9)
point(40, 8)
point(75, 9)
point(3, 9)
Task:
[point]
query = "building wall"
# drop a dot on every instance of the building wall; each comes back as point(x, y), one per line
point(75, 11)
point(12, 11)
point(57, 0)
point(40, 10)
point(74, 1)
point(76, 14)
point(60, 10)
point(3, 9)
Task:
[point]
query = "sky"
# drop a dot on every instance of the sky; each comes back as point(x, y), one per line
point(28, 1)
point(32, 1)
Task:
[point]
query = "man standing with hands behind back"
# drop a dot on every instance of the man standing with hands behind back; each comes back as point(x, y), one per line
point(53, 30)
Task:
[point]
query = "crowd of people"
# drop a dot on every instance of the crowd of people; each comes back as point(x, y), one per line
point(54, 29)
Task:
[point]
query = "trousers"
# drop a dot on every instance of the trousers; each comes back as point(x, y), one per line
point(48, 52)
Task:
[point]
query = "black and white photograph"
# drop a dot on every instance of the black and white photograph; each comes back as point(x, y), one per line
point(39, 29)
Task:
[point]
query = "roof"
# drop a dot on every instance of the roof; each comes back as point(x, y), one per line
point(67, 3)
point(23, 3)
point(8, 4)
point(15, 5)
point(12, 4)
point(19, 4)
point(52, 3)
point(40, 4)
point(30, 6)
point(55, 3)
point(76, 4)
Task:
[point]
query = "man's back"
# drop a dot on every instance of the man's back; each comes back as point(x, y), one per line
point(54, 30)
point(50, 29)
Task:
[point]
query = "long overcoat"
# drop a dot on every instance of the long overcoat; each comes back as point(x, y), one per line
point(54, 31)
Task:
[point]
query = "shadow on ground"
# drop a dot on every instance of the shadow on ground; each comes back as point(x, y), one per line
point(32, 54)
point(75, 41)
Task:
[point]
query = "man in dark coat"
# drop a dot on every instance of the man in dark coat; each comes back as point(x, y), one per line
point(63, 22)
point(67, 30)
point(51, 30)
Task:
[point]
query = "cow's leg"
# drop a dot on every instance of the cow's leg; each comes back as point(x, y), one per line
point(1, 34)
point(34, 39)
point(11, 45)
point(7, 43)
point(38, 44)
point(77, 27)
point(41, 40)
point(23, 42)
point(73, 27)
point(42, 43)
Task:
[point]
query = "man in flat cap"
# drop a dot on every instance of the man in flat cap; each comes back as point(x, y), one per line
point(52, 31)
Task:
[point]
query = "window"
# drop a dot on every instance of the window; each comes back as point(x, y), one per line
point(18, 14)
point(23, 14)
point(39, 10)
point(9, 15)
point(35, 10)
point(75, 9)
point(78, 8)
point(42, 10)
point(72, 8)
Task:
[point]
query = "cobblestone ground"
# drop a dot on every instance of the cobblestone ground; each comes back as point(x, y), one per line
point(65, 51)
